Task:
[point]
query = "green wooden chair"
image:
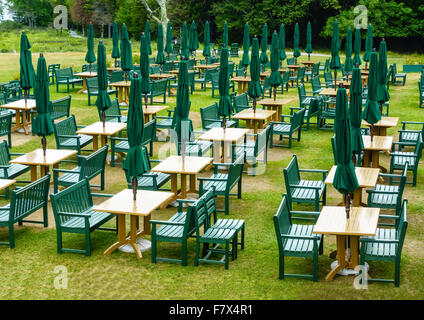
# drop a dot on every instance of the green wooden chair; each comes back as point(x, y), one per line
point(121, 144)
point(398, 78)
point(66, 136)
point(51, 69)
point(215, 83)
point(266, 87)
point(173, 83)
point(386, 245)
point(93, 89)
point(73, 213)
point(6, 126)
point(316, 85)
point(312, 72)
point(296, 240)
point(311, 110)
point(88, 168)
point(205, 77)
point(298, 77)
point(241, 102)
point(158, 88)
point(326, 113)
point(325, 67)
point(304, 191)
point(86, 67)
point(290, 61)
point(286, 129)
point(210, 118)
point(165, 122)
point(113, 113)
point(58, 109)
point(328, 79)
point(223, 183)
point(66, 77)
point(234, 50)
point(285, 81)
point(25, 201)
point(117, 76)
point(421, 92)
point(411, 135)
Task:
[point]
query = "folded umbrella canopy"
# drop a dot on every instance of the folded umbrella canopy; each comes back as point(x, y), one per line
point(224, 107)
point(345, 180)
point(144, 68)
point(335, 47)
point(275, 77)
point(90, 56)
point(193, 38)
point(185, 54)
point(348, 66)
point(308, 48)
point(357, 48)
point(382, 93)
point(126, 52)
point(264, 47)
point(160, 58)
point(368, 46)
point(103, 100)
point(245, 61)
point(206, 42)
point(296, 51)
point(168, 46)
point(115, 41)
point(282, 43)
point(42, 125)
point(255, 89)
point(225, 34)
point(27, 73)
point(147, 33)
point(371, 113)
point(135, 163)
point(355, 109)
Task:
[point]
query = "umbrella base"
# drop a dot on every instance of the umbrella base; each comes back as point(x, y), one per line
point(346, 271)
point(143, 244)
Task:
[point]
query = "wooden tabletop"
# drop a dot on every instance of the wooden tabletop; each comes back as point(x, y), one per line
point(4, 183)
point(379, 143)
point(114, 69)
point(121, 84)
point(161, 76)
point(330, 92)
point(218, 134)
point(174, 164)
point(96, 128)
point(309, 62)
point(20, 105)
point(272, 102)
point(150, 109)
point(387, 122)
point(36, 157)
point(367, 177)
point(86, 74)
point(178, 71)
point(294, 66)
point(205, 66)
point(241, 79)
point(332, 220)
point(123, 203)
point(248, 114)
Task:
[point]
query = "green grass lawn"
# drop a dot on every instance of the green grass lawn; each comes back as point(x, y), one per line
point(29, 270)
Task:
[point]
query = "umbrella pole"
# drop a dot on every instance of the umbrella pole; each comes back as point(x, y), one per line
point(275, 93)
point(126, 76)
point(116, 62)
point(134, 187)
point(245, 71)
point(146, 100)
point(347, 205)
point(224, 123)
point(90, 67)
point(380, 104)
point(44, 145)
point(335, 79)
point(26, 97)
point(309, 57)
point(254, 105)
point(372, 132)
point(160, 68)
point(104, 119)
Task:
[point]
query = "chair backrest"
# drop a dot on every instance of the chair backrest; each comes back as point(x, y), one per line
point(86, 67)
point(297, 119)
point(60, 108)
point(315, 70)
point(167, 66)
point(93, 164)
point(154, 69)
point(282, 221)
point(231, 67)
point(291, 174)
point(29, 199)
point(92, 84)
point(208, 114)
point(66, 127)
point(328, 77)
point(52, 67)
point(117, 76)
point(261, 141)
point(241, 102)
point(4, 154)
point(401, 227)
point(113, 113)
point(285, 77)
point(301, 73)
point(5, 122)
point(215, 79)
point(149, 132)
point(191, 63)
point(301, 92)
point(74, 199)
point(316, 84)
point(290, 61)
point(64, 72)
point(210, 204)
point(159, 86)
point(235, 172)
point(326, 65)
point(239, 72)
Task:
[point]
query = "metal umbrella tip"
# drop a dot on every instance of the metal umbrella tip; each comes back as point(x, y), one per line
point(135, 75)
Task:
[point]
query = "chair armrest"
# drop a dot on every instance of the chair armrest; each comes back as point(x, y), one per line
point(211, 179)
point(74, 214)
point(287, 236)
point(324, 172)
point(306, 213)
point(169, 223)
point(102, 195)
point(68, 136)
point(394, 153)
point(388, 216)
point(118, 139)
point(377, 240)
point(412, 122)
point(65, 171)
point(380, 191)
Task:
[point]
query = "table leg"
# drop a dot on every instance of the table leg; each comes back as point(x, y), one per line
point(120, 93)
point(95, 142)
point(24, 122)
point(341, 258)
point(174, 185)
point(357, 197)
point(104, 140)
point(193, 180)
point(121, 235)
point(33, 173)
point(133, 236)
point(240, 88)
point(375, 158)
point(383, 131)
point(248, 124)
point(366, 160)
point(147, 226)
point(354, 252)
point(127, 94)
point(84, 85)
point(217, 151)
point(183, 186)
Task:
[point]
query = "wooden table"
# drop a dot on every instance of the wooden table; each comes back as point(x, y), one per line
point(382, 125)
point(203, 67)
point(294, 67)
point(373, 148)
point(175, 166)
point(160, 76)
point(255, 120)
point(96, 129)
point(111, 69)
point(309, 63)
point(84, 76)
point(367, 178)
point(277, 105)
point(331, 92)
point(122, 204)
point(19, 106)
point(243, 83)
point(36, 158)
point(224, 138)
point(332, 221)
point(176, 72)
point(150, 111)
point(345, 83)
point(123, 90)
point(5, 183)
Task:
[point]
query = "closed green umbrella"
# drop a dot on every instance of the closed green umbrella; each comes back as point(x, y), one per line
point(296, 51)
point(335, 47)
point(42, 125)
point(345, 180)
point(225, 34)
point(193, 39)
point(147, 33)
point(275, 77)
point(115, 41)
point(89, 56)
point(282, 43)
point(144, 68)
point(355, 109)
point(135, 163)
point(382, 93)
point(206, 42)
point(185, 54)
point(224, 107)
point(103, 100)
point(168, 47)
point(255, 89)
point(308, 48)
point(368, 46)
point(348, 66)
point(126, 52)
point(264, 47)
point(160, 58)
point(371, 113)
point(27, 73)
point(245, 61)
point(357, 48)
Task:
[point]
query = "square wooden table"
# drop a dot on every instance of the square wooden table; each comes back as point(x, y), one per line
point(123, 90)
point(36, 158)
point(96, 129)
point(5, 183)
point(160, 76)
point(111, 69)
point(203, 67)
point(277, 105)
point(382, 125)
point(122, 204)
point(191, 166)
point(20, 107)
point(373, 148)
point(331, 92)
point(150, 111)
point(84, 76)
point(332, 221)
point(255, 120)
point(367, 178)
point(243, 83)
point(224, 138)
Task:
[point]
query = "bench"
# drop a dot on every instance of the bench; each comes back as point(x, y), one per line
point(398, 78)
point(25, 201)
point(66, 76)
point(66, 136)
point(158, 88)
point(287, 128)
point(211, 119)
point(73, 213)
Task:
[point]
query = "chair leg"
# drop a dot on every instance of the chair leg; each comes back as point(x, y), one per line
point(59, 240)
point(315, 276)
point(184, 253)
point(154, 244)
point(45, 217)
point(227, 249)
point(227, 204)
point(196, 257)
point(397, 272)
point(281, 267)
point(11, 236)
point(87, 243)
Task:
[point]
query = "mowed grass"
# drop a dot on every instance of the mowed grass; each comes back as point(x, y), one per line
point(29, 270)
